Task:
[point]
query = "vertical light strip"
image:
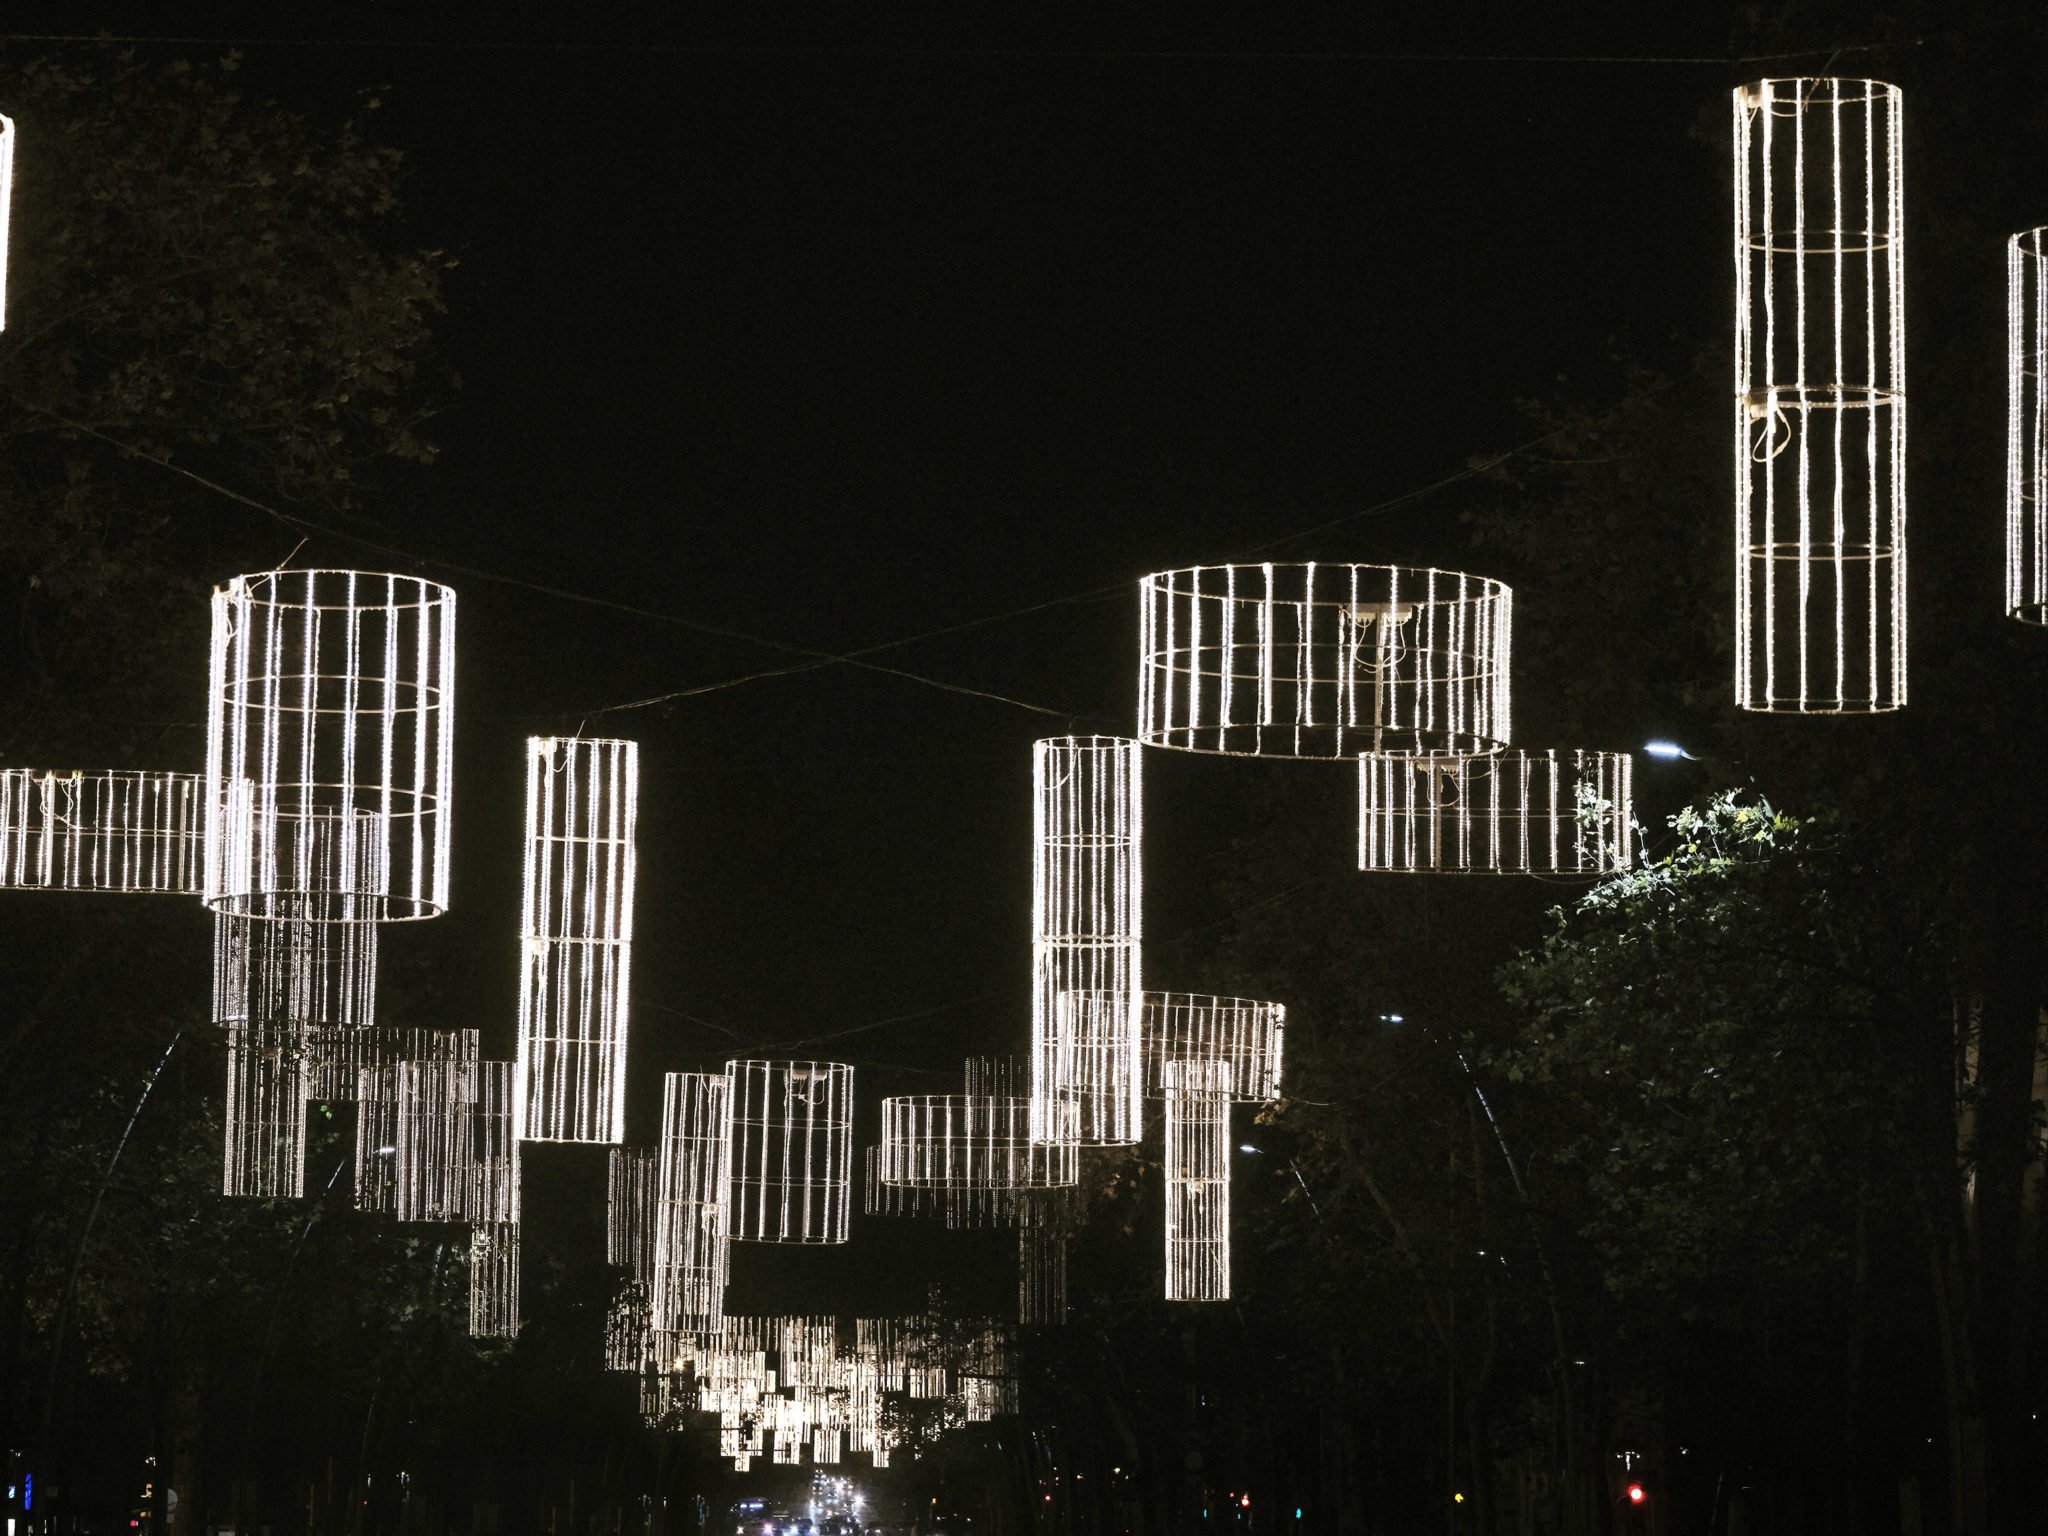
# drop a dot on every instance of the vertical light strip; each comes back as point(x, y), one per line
point(377, 1129)
point(2026, 442)
point(1568, 814)
point(436, 1159)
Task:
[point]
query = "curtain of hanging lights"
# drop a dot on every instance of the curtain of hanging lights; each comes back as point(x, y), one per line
point(1565, 814)
point(376, 1159)
point(436, 1140)
point(2026, 445)
point(792, 1151)
point(494, 1280)
point(330, 711)
point(264, 1119)
point(692, 1252)
point(1197, 1181)
point(1820, 397)
point(582, 800)
point(1087, 903)
point(108, 831)
point(1322, 660)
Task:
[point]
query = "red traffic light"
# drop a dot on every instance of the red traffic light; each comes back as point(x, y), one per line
point(1636, 1494)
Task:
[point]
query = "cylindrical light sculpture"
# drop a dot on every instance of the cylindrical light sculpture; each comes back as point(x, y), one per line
point(1820, 398)
point(264, 1143)
point(792, 1151)
point(1237, 1037)
point(1567, 814)
point(967, 1141)
point(692, 1186)
point(494, 1171)
point(330, 706)
point(582, 797)
point(1197, 1181)
point(109, 831)
point(376, 1162)
point(1323, 661)
point(320, 979)
point(1041, 1266)
point(436, 1140)
point(1087, 923)
point(494, 1280)
point(2026, 443)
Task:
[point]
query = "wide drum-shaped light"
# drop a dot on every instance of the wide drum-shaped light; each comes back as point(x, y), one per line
point(108, 831)
point(1820, 398)
point(1237, 1039)
point(1087, 925)
point(792, 1151)
point(576, 937)
point(692, 1251)
point(1567, 814)
point(376, 1095)
point(971, 1141)
point(1322, 660)
point(330, 715)
point(2026, 443)
point(1197, 1182)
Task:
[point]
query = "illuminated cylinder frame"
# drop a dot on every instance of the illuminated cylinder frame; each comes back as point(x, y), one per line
point(263, 1152)
point(970, 1141)
point(493, 1198)
point(1238, 1040)
point(1565, 814)
point(330, 702)
point(582, 801)
point(1041, 1264)
point(1197, 1181)
point(341, 1057)
point(2026, 448)
point(1323, 661)
point(792, 1151)
point(692, 1253)
point(1820, 397)
point(376, 1161)
point(494, 1280)
point(318, 979)
point(1087, 924)
point(106, 831)
point(629, 1244)
point(436, 1139)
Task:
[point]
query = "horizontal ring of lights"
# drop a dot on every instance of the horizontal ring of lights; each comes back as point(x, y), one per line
point(1510, 813)
point(792, 1151)
point(2026, 444)
point(330, 709)
point(968, 1141)
point(1820, 397)
point(106, 831)
point(1238, 1036)
point(1323, 661)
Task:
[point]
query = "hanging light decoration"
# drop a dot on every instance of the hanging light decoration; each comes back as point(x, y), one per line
point(692, 1182)
point(970, 1142)
point(1820, 398)
point(110, 831)
point(1237, 1036)
point(340, 1057)
point(1507, 813)
point(792, 1151)
point(436, 1157)
point(377, 1125)
point(1323, 660)
point(1042, 1234)
point(494, 1278)
point(1087, 906)
point(582, 798)
point(2026, 442)
point(264, 1151)
point(493, 1198)
point(330, 706)
point(317, 979)
point(6, 198)
point(1197, 1181)
point(629, 1245)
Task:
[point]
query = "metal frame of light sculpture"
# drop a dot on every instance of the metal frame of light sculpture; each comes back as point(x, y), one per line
point(318, 978)
point(105, 831)
point(1322, 660)
point(494, 1279)
point(792, 1151)
point(1820, 397)
point(376, 1159)
point(263, 1153)
point(2026, 443)
point(1087, 931)
point(576, 937)
point(6, 200)
point(436, 1139)
point(493, 1198)
point(692, 1253)
point(330, 702)
point(1197, 1181)
point(1562, 814)
point(959, 1141)
point(1241, 1036)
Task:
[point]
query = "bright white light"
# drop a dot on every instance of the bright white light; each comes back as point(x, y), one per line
point(1820, 402)
point(691, 1201)
point(1667, 750)
point(494, 1175)
point(494, 1279)
point(6, 198)
point(376, 1095)
point(1197, 1181)
point(1504, 813)
point(436, 1139)
point(129, 832)
point(1236, 1038)
point(792, 1151)
point(971, 1141)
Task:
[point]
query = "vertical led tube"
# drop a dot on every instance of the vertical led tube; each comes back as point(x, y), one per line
point(2026, 446)
point(1087, 904)
point(792, 1151)
point(692, 1179)
point(582, 798)
point(1820, 397)
point(1197, 1181)
point(6, 200)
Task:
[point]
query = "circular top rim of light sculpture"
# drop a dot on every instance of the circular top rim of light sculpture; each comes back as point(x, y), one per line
point(1396, 835)
point(994, 1150)
point(1299, 663)
point(1251, 1060)
point(443, 593)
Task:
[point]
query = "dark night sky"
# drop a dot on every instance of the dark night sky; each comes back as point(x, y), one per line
point(838, 340)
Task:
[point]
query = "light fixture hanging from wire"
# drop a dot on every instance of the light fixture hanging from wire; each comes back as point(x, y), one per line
point(494, 1280)
point(436, 1139)
point(582, 799)
point(107, 831)
point(2026, 442)
point(1237, 1036)
point(1087, 906)
point(692, 1252)
point(493, 1198)
point(1197, 1180)
point(792, 1151)
point(1323, 661)
point(1820, 397)
point(377, 1122)
point(330, 709)
point(264, 1119)
point(1568, 814)
point(972, 1142)
point(317, 979)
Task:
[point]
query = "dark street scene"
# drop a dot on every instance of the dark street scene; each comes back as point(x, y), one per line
point(912, 770)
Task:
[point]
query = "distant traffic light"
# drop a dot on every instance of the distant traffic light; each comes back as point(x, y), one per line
point(1636, 1494)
